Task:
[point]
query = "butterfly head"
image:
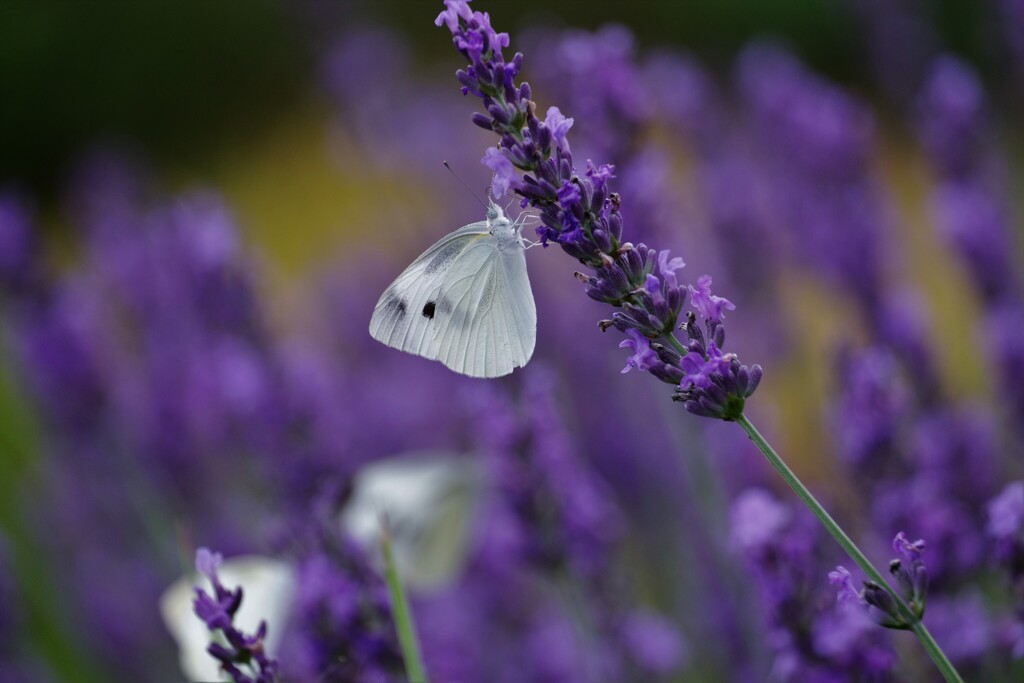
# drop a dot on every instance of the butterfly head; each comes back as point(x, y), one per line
point(496, 220)
point(494, 214)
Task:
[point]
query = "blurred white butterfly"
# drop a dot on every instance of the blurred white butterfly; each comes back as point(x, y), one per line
point(466, 301)
point(428, 500)
point(269, 587)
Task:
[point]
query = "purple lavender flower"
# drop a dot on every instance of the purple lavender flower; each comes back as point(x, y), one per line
point(973, 211)
point(240, 652)
point(978, 227)
point(600, 81)
point(910, 572)
point(644, 358)
point(654, 644)
point(1006, 527)
point(714, 383)
point(582, 215)
point(952, 110)
point(1005, 328)
point(910, 575)
point(963, 624)
point(870, 409)
point(810, 639)
point(817, 142)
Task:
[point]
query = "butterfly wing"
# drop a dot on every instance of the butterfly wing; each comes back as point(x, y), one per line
point(428, 500)
point(463, 302)
point(403, 316)
point(488, 321)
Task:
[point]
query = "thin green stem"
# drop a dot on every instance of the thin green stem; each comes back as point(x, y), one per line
point(404, 624)
point(677, 345)
point(855, 553)
point(935, 652)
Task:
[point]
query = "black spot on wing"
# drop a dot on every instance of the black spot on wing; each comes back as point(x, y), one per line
point(428, 309)
point(397, 306)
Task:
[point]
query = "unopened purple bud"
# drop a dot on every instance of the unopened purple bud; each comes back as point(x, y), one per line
point(524, 92)
point(755, 379)
point(220, 653)
point(470, 83)
point(615, 225)
point(718, 337)
point(693, 331)
point(482, 121)
point(565, 164)
point(903, 577)
point(499, 113)
point(880, 599)
point(672, 373)
point(742, 381)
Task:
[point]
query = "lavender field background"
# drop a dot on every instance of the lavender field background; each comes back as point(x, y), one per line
point(201, 203)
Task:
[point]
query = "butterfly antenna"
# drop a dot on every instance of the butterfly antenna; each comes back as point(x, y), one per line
point(463, 183)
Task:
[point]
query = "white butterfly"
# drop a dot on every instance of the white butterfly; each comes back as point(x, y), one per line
point(269, 586)
point(466, 301)
point(429, 501)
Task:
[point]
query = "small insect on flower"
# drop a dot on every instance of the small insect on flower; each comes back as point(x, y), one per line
point(466, 301)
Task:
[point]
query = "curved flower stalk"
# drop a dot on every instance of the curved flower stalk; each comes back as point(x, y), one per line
point(581, 214)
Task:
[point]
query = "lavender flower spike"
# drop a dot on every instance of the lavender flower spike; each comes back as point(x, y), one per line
point(910, 575)
point(580, 213)
point(236, 649)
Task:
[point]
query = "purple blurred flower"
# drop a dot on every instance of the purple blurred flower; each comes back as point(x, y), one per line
point(817, 143)
point(343, 626)
point(951, 107)
point(963, 627)
point(653, 643)
point(17, 244)
point(978, 227)
point(1006, 527)
point(872, 404)
point(973, 212)
point(811, 637)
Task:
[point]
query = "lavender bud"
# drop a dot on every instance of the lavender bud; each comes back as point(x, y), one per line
point(482, 121)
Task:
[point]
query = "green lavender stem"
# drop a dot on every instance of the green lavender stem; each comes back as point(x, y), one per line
point(855, 553)
point(407, 638)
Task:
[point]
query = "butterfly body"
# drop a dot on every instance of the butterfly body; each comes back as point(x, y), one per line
point(466, 301)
